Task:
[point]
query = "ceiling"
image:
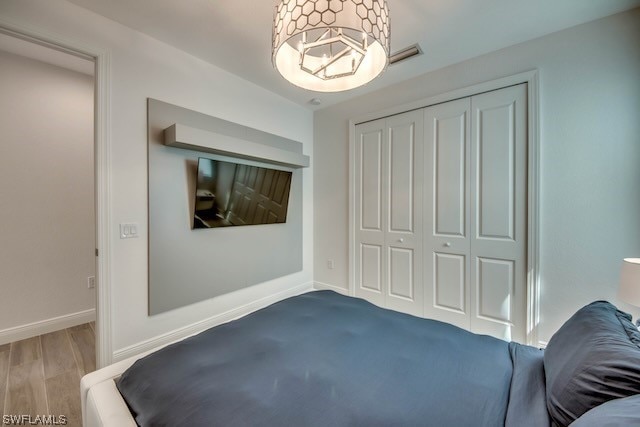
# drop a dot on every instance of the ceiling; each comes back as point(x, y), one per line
point(235, 35)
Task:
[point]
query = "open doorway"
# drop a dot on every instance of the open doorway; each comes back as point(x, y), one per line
point(47, 228)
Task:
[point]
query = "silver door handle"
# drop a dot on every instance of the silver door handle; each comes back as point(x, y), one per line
point(400, 240)
point(447, 244)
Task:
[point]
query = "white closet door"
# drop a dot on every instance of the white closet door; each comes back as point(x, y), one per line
point(403, 225)
point(388, 213)
point(498, 214)
point(370, 212)
point(446, 212)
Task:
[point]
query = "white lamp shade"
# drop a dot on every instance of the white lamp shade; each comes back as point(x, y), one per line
point(360, 26)
point(286, 61)
point(629, 290)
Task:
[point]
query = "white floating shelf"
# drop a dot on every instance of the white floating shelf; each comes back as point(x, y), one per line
point(182, 136)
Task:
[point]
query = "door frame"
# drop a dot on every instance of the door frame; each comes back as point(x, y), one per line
point(102, 168)
point(531, 78)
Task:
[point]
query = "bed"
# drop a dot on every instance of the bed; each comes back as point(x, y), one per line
point(324, 359)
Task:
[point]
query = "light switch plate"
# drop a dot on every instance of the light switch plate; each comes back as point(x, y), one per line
point(128, 230)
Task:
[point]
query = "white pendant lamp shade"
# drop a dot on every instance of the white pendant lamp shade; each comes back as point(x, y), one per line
point(330, 45)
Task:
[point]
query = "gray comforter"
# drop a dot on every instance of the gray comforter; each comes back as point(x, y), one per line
point(323, 359)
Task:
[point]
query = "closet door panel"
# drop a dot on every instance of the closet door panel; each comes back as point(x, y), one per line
point(495, 198)
point(404, 215)
point(446, 208)
point(449, 174)
point(401, 189)
point(449, 282)
point(371, 181)
point(498, 226)
point(370, 266)
point(496, 285)
point(401, 281)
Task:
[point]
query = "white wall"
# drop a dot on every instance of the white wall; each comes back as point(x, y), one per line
point(46, 187)
point(590, 157)
point(143, 67)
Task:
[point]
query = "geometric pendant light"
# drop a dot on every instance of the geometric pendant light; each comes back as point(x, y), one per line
point(330, 45)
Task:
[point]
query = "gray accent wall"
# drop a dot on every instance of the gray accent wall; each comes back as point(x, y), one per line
point(189, 265)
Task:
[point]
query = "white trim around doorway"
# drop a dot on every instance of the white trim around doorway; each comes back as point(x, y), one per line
point(102, 126)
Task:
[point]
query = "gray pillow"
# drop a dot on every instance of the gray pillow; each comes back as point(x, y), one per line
point(615, 413)
point(593, 358)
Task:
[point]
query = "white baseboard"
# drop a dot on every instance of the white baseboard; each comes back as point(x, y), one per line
point(34, 329)
point(194, 328)
point(325, 286)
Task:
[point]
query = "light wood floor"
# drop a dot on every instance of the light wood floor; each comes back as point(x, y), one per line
point(41, 375)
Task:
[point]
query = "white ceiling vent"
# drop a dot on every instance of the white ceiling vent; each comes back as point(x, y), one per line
point(406, 53)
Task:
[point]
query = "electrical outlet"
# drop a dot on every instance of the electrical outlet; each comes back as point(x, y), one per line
point(91, 282)
point(330, 264)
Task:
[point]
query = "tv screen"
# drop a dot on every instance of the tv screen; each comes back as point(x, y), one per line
point(230, 194)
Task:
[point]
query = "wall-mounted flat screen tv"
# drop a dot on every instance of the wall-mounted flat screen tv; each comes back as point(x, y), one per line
point(230, 194)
